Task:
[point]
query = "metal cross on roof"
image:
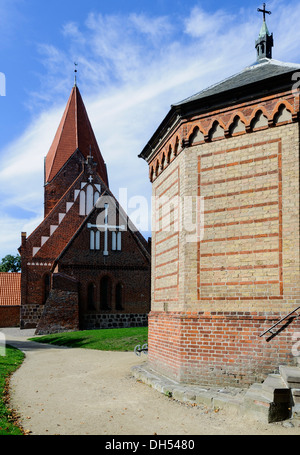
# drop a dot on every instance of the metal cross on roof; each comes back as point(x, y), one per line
point(75, 71)
point(264, 11)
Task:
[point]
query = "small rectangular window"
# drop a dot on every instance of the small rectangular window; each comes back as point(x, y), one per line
point(92, 240)
point(98, 240)
point(119, 241)
point(113, 241)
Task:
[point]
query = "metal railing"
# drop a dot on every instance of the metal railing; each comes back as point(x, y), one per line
point(279, 322)
point(138, 349)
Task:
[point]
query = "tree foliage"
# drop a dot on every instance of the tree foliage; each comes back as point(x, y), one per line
point(11, 263)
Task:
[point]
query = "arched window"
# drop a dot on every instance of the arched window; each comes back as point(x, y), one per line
point(96, 197)
point(119, 241)
point(151, 174)
point(237, 126)
point(82, 203)
point(196, 136)
point(47, 285)
point(92, 240)
point(169, 156)
point(97, 240)
point(216, 131)
point(105, 293)
point(89, 198)
point(157, 169)
point(91, 296)
point(283, 115)
point(119, 297)
point(176, 148)
point(259, 121)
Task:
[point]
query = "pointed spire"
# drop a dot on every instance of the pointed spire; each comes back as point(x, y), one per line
point(265, 41)
point(74, 133)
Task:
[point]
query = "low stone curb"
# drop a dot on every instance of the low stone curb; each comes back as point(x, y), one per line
point(231, 399)
point(213, 398)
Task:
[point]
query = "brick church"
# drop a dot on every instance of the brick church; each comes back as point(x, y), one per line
point(85, 266)
point(227, 160)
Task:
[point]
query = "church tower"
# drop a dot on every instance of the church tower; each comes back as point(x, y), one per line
point(85, 265)
point(224, 167)
point(73, 143)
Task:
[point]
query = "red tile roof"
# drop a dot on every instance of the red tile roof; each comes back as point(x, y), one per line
point(10, 289)
point(74, 132)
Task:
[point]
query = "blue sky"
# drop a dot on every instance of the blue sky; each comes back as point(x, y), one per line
point(135, 58)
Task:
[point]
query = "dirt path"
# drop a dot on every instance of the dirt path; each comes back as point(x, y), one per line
point(59, 391)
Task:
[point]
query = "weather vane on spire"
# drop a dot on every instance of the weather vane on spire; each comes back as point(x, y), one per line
point(75, 71)
point(264, 11)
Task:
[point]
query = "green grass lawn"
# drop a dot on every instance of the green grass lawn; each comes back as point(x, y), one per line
point(103, 340)
point(8, 364)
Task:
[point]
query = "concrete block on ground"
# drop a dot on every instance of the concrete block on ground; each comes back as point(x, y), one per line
point(291, 376)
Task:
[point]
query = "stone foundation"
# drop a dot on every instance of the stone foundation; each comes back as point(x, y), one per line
point(30, 315)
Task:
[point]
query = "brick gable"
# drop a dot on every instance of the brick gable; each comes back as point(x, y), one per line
point(60, 271)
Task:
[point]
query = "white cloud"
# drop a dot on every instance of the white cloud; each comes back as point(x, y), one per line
point(21, 182)
point(10, 19)
point(157, 27)
point(201, 23)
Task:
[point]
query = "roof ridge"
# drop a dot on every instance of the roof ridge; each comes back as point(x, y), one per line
point(58, 135)
point(206, 89)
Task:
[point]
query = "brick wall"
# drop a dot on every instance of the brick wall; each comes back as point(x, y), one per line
point(9, 316)
point(61, 310)
point(244, 273)
point(220, 348)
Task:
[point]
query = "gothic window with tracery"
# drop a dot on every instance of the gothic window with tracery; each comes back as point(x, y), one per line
point(89, 196)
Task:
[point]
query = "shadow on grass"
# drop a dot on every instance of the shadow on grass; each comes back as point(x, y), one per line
point(123, 340)
point(61, 341)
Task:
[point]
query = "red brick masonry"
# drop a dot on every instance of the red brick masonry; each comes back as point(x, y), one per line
point(9, 316)
point(222, 348)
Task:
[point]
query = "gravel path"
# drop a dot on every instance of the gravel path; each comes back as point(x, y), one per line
point(61, 391)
